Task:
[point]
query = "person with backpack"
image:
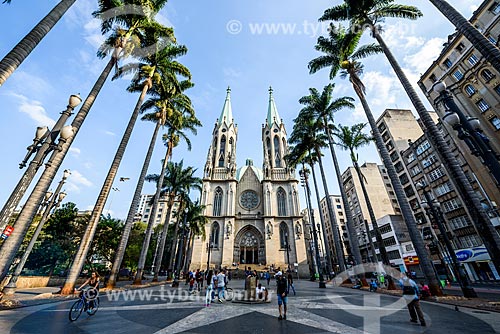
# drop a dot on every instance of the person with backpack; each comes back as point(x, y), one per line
point(412, 296)
point(282, 292)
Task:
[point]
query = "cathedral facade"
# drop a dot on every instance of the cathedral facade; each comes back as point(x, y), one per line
point(254, 214)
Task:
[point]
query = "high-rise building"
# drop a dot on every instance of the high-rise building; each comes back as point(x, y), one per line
point(475, 87)
point(144, 210)
point(338, 210)
point(254, 214)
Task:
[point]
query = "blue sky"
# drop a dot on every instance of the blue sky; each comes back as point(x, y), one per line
point(247, 45)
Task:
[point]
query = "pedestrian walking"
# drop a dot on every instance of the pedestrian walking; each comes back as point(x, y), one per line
point(290, 282)
point(411, 295)
point(267, 276)
point(210, 288)
point(221, 283)
point(282, 294)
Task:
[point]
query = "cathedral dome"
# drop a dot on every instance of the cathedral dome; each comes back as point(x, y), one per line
point(249, 164)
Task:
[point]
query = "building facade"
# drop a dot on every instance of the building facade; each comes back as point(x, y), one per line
point(338, 210)
point(475, 87)
point(254, 214)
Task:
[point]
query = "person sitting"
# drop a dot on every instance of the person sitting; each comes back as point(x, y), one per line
point(357, 285)
point(425, 292)
point(261, 292)
point(373, 286)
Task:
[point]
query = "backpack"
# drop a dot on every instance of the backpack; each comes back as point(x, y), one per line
point(408, 290)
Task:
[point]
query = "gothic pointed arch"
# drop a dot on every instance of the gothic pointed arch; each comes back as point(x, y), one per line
point(281, 199)
point(277, 154)
point(284, 235)
point(214, 234)
point(222, 151)
point(249, 246)
point(218, 202)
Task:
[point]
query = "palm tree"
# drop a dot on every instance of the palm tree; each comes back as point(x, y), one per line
point(480, 42)
point(369, 14)
point(177, 183)
point(22, 50)
point(154, 70)
point(307, 137)
point(124, 35)
point(181, 117)
point(197, 221)
point(160, 118)
point(343, 53)
point(351, 139)
point(321, 106)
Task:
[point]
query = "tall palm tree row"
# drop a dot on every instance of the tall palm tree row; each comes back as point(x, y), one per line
point(323, 107)
point(351, 139)
point(156, 68)
point(176, 184)
point(342, 53)
point(197, 221)
point(21, 51)
point(489, 51)
point(307, 136)
point(181, 117)
point(369, 14)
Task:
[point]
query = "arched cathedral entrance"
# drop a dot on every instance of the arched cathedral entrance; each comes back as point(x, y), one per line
point(249, 246)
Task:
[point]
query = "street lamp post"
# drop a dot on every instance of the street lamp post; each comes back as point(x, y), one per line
point(178, 258)
point(435, 210)
point(305, 183)
point(469, 130)
point(43, 143)
point(51, 201)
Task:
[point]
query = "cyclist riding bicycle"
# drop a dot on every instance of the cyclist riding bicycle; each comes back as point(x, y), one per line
point(91, 293)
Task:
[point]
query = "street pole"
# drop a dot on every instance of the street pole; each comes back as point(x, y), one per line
point(50, 203)
point(303, 173)
point(287, 251)
point(43, 143)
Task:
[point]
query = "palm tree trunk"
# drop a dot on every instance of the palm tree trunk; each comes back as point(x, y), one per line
point(350, 222)
point(333, 221)
point(323, 226)
point(480, 218)
point(406, 211)
point(378, 235)
point(11, 245)
point(131, 212)
point(190, 253)
point(173, 246)
point(21, 51)
point(151, 220)
point(95, 217)
point(161, 247)
point(478, 40)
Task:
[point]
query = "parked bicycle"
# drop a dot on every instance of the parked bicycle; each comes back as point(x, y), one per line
point(88, 301)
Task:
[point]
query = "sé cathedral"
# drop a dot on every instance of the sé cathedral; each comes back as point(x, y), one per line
point(253, 213)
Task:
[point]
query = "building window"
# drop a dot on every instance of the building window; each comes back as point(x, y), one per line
point(281, 197)
point(222, 150)
point(495, 8)
point(423, 147)
point(492, 39)
point(391, 241)
point(447, 63)
point(436, 174)
point(495, 121)
point(381, 127)
point(460, 47)
point(459, 222)
point(218, 202)
point(473, 59)
point(482, 105)
point(277, 155)
point(444, 188)
point(487, 75)
point(283, 235)
point(415, 170)
point(394, 156)
point(411, 158)
point(399, 167)
point(470, 90)
point(429, 160)
point(458, 74)
point(451, 205)
point(214, 236)
point(433, 78)
point(470, 241)
point(404, 179)
point(497, 89)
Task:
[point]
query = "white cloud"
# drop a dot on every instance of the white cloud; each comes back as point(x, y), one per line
point(380, 89)
point(421, 60)
point(34, 110)
point(231, 73)
point(33, 84)
point(75, 151)
point(77, 178)
point(109, 133)
point(88, 165)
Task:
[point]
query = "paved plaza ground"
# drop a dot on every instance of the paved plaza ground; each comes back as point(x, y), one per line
point(162, 309)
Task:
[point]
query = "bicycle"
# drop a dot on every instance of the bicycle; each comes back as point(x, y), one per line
point(88, 301)
point(228, 294)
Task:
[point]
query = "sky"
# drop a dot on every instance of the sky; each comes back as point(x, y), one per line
point(247, 45)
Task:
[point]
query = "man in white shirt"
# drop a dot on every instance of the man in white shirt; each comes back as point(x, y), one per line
point(261, 292)
point(221, 283)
